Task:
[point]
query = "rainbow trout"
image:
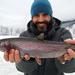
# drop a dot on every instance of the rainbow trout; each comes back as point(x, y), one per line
point(32, 46)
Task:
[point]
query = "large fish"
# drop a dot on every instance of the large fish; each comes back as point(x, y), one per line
point(35, 47)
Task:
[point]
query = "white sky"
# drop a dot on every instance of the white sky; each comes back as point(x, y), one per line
point(17, 12)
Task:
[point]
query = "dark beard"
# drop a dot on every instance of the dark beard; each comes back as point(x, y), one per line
point(42, 29)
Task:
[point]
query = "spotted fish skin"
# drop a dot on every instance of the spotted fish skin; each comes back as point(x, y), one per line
point(33, 46)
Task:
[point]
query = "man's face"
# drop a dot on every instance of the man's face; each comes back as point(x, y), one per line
point(41, 21)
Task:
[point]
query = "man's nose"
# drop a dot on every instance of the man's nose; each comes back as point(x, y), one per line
point(41, 18)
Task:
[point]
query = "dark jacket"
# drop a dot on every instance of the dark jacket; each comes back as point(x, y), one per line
point(49, 66)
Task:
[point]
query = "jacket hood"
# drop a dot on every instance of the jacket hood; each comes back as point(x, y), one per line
point(49, 34)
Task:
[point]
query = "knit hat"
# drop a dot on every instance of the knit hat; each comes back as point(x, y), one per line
point(41, 6)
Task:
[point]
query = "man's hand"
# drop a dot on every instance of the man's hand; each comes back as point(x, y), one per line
point(14, 56)
point(70, 53)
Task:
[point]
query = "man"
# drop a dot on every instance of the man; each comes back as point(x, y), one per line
point(44, 26)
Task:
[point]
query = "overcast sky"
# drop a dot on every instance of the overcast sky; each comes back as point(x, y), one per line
point(17, 12)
